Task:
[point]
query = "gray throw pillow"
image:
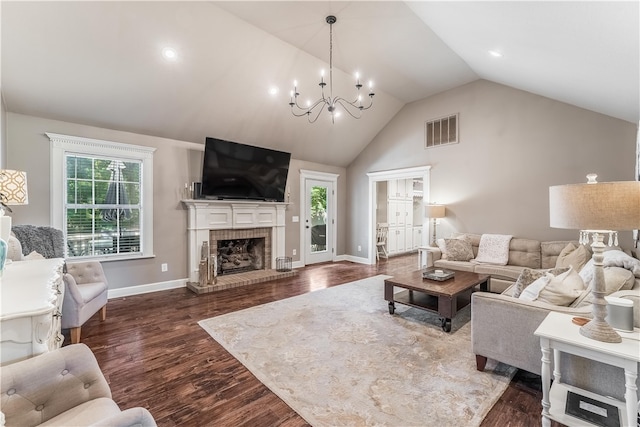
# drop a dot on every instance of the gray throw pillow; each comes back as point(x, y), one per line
point(458, 249)
point(528, 276)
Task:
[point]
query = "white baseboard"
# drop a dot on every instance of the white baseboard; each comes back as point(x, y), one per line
point(145, 289)
point(355, 259)
point(297, 264)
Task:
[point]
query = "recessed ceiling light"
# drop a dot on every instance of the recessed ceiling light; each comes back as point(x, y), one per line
point(169, 54)
point(273, 90)
point(495, 54)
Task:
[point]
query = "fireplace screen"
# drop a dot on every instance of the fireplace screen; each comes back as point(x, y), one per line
point(240, 255)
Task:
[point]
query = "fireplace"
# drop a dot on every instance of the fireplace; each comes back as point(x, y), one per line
point(239, 251)
point(240, 255)
point(256, 230)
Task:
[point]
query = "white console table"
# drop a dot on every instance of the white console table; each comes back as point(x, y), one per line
point(32, 294)
point(559, 334)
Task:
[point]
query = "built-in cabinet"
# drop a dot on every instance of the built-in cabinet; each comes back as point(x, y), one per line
point(400, 205)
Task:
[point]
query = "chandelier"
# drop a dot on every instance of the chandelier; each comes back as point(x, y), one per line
point(313, 110)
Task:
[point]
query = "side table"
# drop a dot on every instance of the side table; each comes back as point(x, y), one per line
point(559, 334)
point(423, 256)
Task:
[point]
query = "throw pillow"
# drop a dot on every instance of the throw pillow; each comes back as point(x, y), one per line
point(14, 249)
point(559, 290)
point(572, 256)
point(562, 289)
point(443, 248)
point(493, 249)
point(528, 276)
point(532, 292)
point(458, 249)
point(33, 255)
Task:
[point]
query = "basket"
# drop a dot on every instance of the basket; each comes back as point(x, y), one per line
point(283, 263)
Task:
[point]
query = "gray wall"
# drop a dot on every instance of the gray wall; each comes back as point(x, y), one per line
point(175, 163)
point(513, 146)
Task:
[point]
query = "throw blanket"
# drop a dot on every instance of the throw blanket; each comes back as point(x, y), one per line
point(612, 258)
point(493, 249)
point(47, 241)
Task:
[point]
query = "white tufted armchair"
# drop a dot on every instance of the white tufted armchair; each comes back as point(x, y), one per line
point(85, 294)
point(64, 387)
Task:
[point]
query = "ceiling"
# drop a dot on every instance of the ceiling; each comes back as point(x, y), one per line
point(100, 63)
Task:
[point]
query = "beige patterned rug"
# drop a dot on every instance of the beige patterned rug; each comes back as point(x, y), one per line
point(338, 358)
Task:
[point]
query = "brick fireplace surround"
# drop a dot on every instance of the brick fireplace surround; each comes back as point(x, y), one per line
point(213, 220)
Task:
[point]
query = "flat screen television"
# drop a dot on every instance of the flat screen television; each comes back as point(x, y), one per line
point(231, 170)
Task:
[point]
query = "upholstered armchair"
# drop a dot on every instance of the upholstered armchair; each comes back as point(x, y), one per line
point(85, 283)
point(64, 387)
point(85, 294)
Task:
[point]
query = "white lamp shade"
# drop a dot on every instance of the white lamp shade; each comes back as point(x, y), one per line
point(13, 187)
point(435, 211)
point(601, 206)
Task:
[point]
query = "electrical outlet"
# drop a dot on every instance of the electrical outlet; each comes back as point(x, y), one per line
point(295, 252)
point(359, 248)
point(164, 267)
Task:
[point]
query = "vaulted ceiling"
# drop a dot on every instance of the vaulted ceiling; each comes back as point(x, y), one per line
point(101, 63)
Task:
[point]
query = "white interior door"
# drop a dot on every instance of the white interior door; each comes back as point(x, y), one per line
point(319, 221)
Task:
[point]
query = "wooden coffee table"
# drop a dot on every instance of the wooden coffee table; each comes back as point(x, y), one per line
point(445, 298)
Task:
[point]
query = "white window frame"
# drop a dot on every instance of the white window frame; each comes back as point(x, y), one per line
point(62, 145)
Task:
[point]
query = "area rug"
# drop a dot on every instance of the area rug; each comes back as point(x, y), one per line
point(338, 358)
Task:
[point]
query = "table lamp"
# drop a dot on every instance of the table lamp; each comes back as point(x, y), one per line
point(434, 212)
point(13, 192)
point(597, 210)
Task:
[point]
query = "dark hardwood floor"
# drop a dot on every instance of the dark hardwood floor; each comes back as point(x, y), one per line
point(154, 354)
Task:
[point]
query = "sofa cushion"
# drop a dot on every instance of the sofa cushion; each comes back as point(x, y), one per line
point(458, 249)
point(509, 272)
point(528, 276)
point(455, 265)
point(493, 249)
point(573, 256)
point(558, 290)
point(524, 253)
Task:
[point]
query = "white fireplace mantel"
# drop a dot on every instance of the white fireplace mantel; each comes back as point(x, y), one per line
point(206, 215)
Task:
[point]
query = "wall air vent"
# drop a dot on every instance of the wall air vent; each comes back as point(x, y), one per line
point(442, 131)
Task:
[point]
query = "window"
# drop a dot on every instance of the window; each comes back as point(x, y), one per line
point(442, 131)
point(102, 197)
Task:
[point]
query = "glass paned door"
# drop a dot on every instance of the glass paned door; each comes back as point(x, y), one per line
point(318, 221)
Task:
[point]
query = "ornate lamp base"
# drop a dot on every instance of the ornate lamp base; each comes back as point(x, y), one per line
point(600, 331)
point(598, 328)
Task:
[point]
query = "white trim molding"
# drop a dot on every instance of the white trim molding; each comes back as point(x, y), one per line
point(61, 145)
point(145, 289)
point(306, 174)
point(423, 172)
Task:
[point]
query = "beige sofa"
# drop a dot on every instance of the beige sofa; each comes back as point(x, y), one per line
point(502, 327)
point(523, 253)
point(64, 387)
